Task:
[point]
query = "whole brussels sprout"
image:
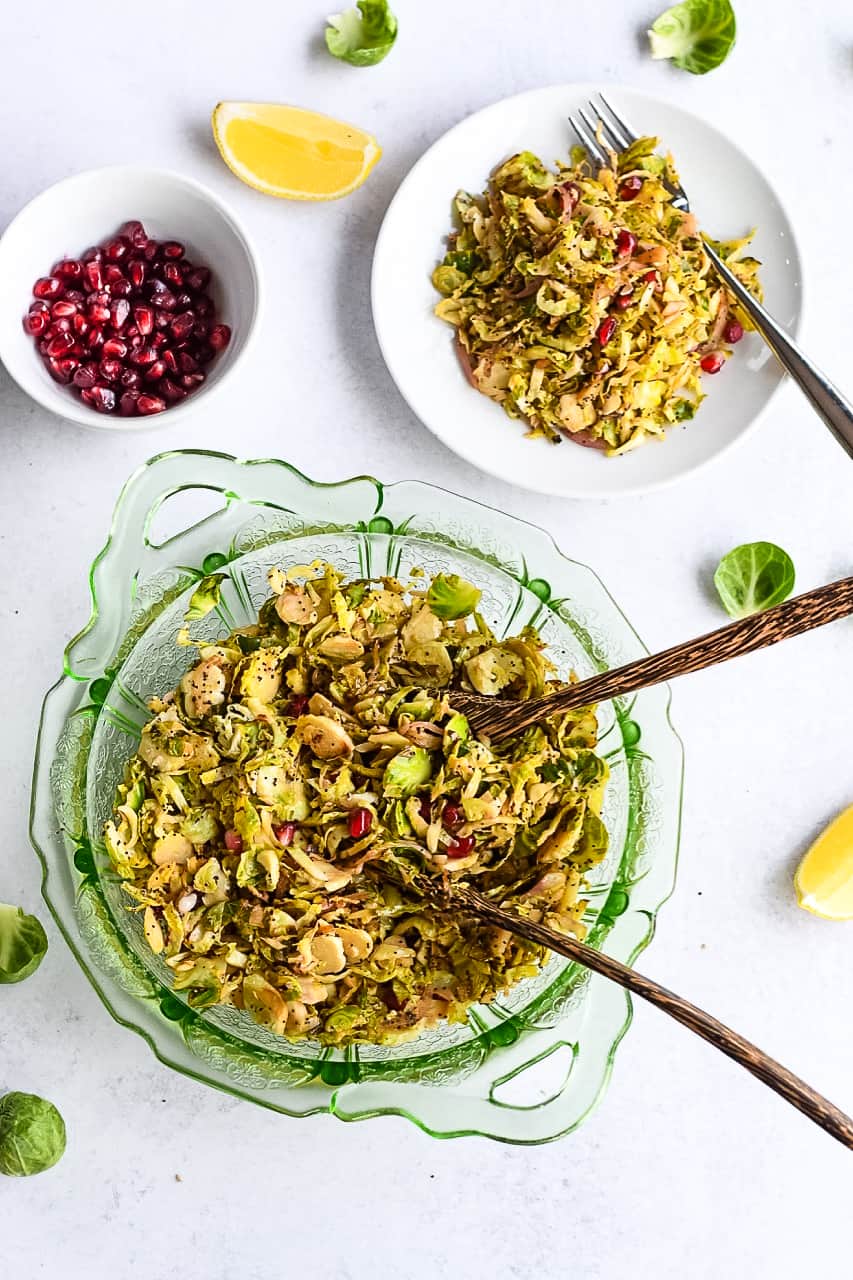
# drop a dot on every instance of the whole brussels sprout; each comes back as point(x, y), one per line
point(32, 1134)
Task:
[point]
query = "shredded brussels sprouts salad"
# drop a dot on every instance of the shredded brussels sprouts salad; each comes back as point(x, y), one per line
point(283, 795)
point(584, 303)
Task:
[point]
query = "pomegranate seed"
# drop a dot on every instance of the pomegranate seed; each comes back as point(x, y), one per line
point(48, 287)
point(35, 322)
point(155, 371)
point(99, 314)
point(425, 809)
point(161, 296)
point(169, 360)
point(626, 244)
point(172, 272)
point(150, 250)
point(203, 352)
point(95, 338)
point(183, 301)
point(204, 306)
point(121, 288)
point(144, 319)
point(94, 254)
point(733, 332)
point(623, 299)
point(80, 325)
point(460, 847)
point(113, 274)
point(298, 704)
point(127, 403)
point(198, 278)
point(86, 375)
point(182, 326)
point(63, 309)
point(136, 340)
point(60, 345)
point(192, 380)
point(172, 249)
point(162, 319)
point(187, 363)
point(220, 336)
point(94, 275)
point(606, 330)
point(119, 312)
point(158, 339)
point(68, 269)
point(630, 188)
point(143, 356)
point(99, 397)
point(284, 833)
point(712, 362)
point(75, 296)
point(111, 369)
point(150, 404)
point(117, 249)
point(651, 277)
point(452, 816)
point(130, 378)
point(233, 841)
point(62, 370)
point(134, 232)
point(171, 391)
point(359, 823)
point(136, 270)
point(62, 325)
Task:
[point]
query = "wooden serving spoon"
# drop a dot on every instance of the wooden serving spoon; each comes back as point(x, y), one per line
point(820, 1110)
point(496, 718)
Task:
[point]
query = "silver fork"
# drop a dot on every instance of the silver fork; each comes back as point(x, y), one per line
point(833, 407)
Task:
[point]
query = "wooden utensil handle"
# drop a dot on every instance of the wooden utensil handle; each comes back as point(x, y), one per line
point(803, 613)
point(789, 1086)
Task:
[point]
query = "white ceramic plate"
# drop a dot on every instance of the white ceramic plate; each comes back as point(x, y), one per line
point(726, 190)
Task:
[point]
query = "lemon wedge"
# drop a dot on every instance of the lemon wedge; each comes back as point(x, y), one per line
point(824, 878)
point(289, 152)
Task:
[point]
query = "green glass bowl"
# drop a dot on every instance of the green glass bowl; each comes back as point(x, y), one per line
point(526, 1068)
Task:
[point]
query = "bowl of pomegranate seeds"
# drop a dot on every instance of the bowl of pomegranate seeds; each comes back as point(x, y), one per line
point(130, 294)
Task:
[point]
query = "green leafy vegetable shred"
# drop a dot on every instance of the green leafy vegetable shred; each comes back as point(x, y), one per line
point(697, 35)
point(364, 35)
point(753, 577)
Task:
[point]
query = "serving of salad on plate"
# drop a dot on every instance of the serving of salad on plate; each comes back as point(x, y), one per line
point(584, 302)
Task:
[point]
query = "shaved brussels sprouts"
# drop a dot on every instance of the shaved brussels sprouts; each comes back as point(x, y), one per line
point(205, 597)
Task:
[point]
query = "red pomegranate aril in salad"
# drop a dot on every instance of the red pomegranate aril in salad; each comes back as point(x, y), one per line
point(359, 823)
point(460, 847)
point(630, 188)
point(606, 330)
point(130, 313)
point(298, 704)
point(623, 299)
point(626, 244)
point(284, 833)
point(452, 816)
point(712, 362)
point(732, 333)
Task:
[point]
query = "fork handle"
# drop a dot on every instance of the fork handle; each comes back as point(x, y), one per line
point(498, 718)
point(766, 1069)
point(833, 407)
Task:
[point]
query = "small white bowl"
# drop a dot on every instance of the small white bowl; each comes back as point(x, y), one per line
point(89, 208)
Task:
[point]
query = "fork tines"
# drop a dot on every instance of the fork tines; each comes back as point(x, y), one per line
point(601, 131)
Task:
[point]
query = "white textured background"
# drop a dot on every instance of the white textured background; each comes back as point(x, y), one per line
point(689, 1168)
